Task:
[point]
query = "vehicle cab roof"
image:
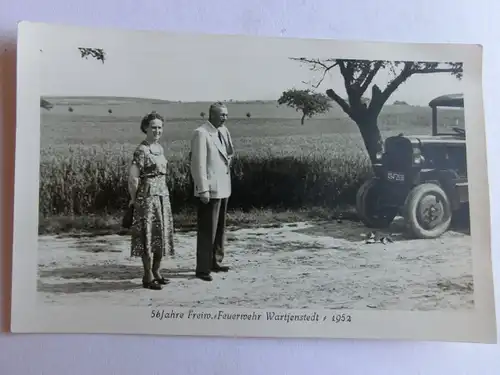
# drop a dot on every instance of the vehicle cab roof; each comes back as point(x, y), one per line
point(450, 100)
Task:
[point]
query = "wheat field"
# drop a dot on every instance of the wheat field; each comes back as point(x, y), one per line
point(87, 144)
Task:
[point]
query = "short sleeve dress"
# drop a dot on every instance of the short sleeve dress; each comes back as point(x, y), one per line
point(152, 227)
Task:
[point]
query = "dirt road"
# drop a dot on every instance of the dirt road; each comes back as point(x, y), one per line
point(301, 265)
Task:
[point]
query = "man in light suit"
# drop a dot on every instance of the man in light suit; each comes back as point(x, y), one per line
point(211, 154)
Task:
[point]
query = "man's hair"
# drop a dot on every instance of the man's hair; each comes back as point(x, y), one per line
point(216, 105)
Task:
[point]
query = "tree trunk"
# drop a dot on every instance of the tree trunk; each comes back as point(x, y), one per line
point(372, 138)
point(302, 119)
point(365, 117)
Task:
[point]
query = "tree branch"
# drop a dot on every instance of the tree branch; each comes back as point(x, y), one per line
point(347, 71)
point(317, 64)
point(379, 98)
point(370, 76)
point(363, 75)
point(341, 102)
point(435, 70)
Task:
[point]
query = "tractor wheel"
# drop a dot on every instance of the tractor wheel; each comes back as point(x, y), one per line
point(427, 211)
point(368, 208)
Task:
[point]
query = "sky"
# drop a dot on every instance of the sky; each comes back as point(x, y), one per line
point(177, 69)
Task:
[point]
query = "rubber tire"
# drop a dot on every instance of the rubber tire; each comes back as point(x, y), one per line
point(361, 203)
point(410, 211)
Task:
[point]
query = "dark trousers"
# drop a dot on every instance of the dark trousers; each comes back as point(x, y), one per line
point(211, 234)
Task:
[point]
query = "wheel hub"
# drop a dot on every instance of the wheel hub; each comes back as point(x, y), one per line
point(430, 212)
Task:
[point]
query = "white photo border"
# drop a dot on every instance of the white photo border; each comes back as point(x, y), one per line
point(478, 325)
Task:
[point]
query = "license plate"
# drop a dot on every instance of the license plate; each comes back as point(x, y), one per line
point(391, 176)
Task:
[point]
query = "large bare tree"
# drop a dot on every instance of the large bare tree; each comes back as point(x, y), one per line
point(358, 76)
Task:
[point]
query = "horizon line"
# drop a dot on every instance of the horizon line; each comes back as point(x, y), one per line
point(187, 101)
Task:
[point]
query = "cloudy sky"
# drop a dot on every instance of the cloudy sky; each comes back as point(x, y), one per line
point(190, 69)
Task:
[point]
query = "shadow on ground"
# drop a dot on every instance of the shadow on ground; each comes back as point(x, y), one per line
point(111, 272)
point(355, 230)
point(95, 286)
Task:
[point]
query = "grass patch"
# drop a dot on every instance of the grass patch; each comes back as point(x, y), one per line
point(97, 225)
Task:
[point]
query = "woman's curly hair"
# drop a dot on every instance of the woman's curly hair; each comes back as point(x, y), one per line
point(146, 120)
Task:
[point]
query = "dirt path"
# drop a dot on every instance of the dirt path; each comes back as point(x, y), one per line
point(302, 265)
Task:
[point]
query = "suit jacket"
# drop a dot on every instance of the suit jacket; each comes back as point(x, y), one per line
point(210, 161)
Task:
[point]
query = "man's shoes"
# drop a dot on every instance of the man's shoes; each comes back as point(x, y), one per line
point(162, 281)
point(153, 285)
point(218, 268)
point(204, 276)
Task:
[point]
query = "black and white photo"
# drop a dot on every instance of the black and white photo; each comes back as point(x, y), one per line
point(250, 186)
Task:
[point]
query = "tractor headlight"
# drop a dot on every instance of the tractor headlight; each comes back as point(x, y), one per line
point(378, 156)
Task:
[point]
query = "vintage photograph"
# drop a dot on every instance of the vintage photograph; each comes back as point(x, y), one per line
point(253, 180)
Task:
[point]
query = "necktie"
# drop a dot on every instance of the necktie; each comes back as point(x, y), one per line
point(221, 138)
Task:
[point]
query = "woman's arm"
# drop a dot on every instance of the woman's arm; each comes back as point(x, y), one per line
point(135, 172)
point(133, 182)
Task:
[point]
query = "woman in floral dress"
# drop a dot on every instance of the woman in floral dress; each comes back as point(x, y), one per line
point(152, 227)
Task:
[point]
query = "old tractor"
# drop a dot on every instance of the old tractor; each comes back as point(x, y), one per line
point(421, 178)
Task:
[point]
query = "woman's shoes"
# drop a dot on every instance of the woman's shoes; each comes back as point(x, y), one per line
point(155, 284)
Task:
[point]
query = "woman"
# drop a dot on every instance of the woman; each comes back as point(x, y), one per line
point(152, 227)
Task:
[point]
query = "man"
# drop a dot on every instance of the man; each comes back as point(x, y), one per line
point(211, 154)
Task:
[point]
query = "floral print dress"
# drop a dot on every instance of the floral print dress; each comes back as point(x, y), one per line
point(152, 227)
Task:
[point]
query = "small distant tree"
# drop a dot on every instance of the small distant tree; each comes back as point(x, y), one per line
point(400, 102)
point(202, 115)
point(45, 104)
point(308, 102)
point(249, 114)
